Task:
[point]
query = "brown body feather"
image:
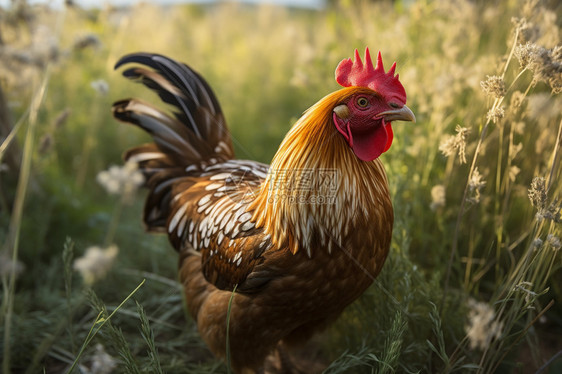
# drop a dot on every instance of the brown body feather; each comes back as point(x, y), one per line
point(295, 261)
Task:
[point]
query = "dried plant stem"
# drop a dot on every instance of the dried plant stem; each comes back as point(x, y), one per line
point(506, 351)
point(496, 104)
point(555, 157)
point(497, 202)
point(12, 242)
point(12, 135)
point(4, 204)
point(454, 246)
point(517, 273)
point(506, 185)
point(511, 52)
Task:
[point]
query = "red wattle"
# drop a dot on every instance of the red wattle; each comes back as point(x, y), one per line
point(390, 135)
point(368, 145)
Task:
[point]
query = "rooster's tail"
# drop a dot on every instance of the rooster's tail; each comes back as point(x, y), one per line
point(193, 134)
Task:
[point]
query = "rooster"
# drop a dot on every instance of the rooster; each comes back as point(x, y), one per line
point(269, 254)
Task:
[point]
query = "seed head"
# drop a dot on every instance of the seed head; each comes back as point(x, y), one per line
point(475, 185)
point(495, 114)
point(536, 244)
point(517, 99)
point(554, 241)
point(527, 30)
point(456, 143)
point(493, 86)
point(537, 193)
point(527, 54)
point(539, 199)
point(546, 64)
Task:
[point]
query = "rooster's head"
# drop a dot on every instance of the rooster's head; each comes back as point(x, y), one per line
point(376, 98)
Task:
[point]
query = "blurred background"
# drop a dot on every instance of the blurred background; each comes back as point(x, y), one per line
point(97, 4)
point(473, 282)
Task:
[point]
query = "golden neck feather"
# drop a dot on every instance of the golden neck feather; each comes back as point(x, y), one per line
point(317, 190)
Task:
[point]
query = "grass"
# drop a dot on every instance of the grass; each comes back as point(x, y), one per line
point(473, 281)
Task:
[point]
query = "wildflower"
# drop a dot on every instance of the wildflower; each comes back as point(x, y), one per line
point(546, 64)
point(540, 107)
point(536, 244)
point(527, 30)
point(519, 23)
point(87, 41)
point(102, 362)
point(475, 185)
point(554, 241)
point(456, 143)
point(530, 295)
point(553, 212)
point(437, 197)
point(482, 326)
point(516, 148)
point(513, 172)
point(100, 86)
point(493, 86)
point(517, 99)
point(95, 263)
point(495, 114)
point(537, 193)
point(122, 180)
point(45, 143)
point(8, 265)
point(60, 120)
point(519, 127)
point(527, 54)
point(538, 197)
point(548, 68)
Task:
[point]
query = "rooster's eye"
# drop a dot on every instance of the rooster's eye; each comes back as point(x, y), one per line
point(362, 102)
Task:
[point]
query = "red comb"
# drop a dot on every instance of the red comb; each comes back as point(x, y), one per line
point(355, 73)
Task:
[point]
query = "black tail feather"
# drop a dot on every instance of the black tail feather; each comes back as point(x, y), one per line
point(194, 133)
point(195, 105)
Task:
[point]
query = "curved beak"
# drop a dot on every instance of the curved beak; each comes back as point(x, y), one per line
point(402, 114)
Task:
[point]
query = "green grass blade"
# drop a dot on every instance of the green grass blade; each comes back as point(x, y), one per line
point(229, 369)
point(99, 322)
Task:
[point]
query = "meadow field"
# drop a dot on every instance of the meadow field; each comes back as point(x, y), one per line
point(473, 283)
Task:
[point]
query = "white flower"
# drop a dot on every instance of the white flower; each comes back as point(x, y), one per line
point(102, 362)
point(122, 180)
point(475, 185)
point(95, 263)
point(482, 326)
point(437, 197)
point(554, 241)
point(8, 265)
point(101, 86)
